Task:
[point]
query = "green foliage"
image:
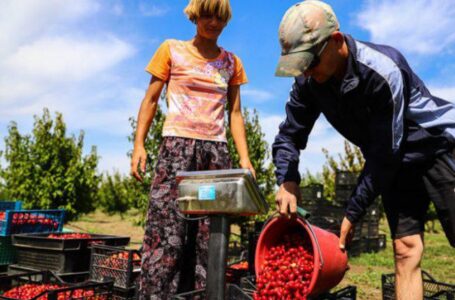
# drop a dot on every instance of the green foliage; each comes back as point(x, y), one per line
point(351, 160)
point(113, 194)
point(47, 169)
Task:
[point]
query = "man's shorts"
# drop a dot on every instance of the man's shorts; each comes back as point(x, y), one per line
point(406, 203)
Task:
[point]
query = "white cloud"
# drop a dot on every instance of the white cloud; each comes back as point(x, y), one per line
point(415, 26)
point(152, 10)
point(257, 95)
point(50, 58)
point(447, 93)
point(22, 20)
point(66, 58)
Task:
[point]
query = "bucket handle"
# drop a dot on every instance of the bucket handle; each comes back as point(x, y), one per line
point(321, 258)
point(300, 213)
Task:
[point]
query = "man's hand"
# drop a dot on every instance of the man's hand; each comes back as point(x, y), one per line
point(346, 233)
point(139, 157)
point(286, 198)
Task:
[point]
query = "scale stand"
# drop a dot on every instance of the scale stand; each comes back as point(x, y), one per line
point(219, 194)
point(218, 246)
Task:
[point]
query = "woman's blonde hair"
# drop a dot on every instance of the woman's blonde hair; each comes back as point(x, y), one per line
point(219, 8)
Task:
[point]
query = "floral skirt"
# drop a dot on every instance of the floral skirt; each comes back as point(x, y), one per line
point(174, 251)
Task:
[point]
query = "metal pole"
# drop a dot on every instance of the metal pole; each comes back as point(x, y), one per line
point(218, 245)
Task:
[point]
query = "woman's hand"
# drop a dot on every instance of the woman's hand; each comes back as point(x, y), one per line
point(138, 159)
point(246, 164)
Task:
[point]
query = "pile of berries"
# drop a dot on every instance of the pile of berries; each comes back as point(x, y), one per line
point(287, 270)
point(120, 260)
point(31, 291)
point(70, 236)
point(20, 219)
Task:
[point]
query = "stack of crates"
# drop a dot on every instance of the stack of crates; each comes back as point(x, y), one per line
point(345, 182)
point(311, 194)
point(7, 251)
point(66, 254)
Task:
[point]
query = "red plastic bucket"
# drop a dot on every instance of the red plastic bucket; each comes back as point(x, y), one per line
point(330, 263)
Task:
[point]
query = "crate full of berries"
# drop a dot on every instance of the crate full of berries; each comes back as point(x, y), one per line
point(47, 286)
point(29, 221)
point(60, 252)
point(121, 265)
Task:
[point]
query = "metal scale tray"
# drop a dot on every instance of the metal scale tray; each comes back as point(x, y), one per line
point(232, 191)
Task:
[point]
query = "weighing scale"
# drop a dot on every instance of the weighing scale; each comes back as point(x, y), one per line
point(219, 194)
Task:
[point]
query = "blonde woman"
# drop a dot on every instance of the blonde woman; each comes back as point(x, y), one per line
point(201, 78)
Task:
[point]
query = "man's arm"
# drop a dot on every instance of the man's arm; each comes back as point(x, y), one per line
point(301, 115)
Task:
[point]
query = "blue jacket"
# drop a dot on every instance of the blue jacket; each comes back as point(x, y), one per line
point(381, 106)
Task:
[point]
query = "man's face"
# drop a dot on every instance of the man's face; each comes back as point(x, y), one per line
point(326, 67)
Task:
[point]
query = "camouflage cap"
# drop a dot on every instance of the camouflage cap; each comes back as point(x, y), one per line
point(303, 27)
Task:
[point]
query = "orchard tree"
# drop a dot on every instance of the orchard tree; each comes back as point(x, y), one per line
point(47, 169)
point(114, 194)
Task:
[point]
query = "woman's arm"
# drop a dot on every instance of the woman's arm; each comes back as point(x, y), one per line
point(144, 119)
point(238, 128)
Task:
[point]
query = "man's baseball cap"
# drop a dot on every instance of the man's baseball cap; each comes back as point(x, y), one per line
point(304, 26)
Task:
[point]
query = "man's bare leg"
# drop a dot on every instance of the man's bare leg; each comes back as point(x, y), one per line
point(408, 279)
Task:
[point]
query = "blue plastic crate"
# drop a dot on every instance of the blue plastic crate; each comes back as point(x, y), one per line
point(10, 205)
point(29, 221)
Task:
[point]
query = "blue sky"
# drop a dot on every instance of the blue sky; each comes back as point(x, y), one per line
point(86, 59)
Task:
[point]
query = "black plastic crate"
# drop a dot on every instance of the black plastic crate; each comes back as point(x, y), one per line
point(233, 292)
point(432, 289)
point(114, 263)
point(7, 251)
point(343, 193)
point(357, 247)
point(376, 244)
point(62, 256)
point(328, 223)
point(88, 290)
point(42, 241)
point(345, 178)
point(76, 277)
point(311, 194)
